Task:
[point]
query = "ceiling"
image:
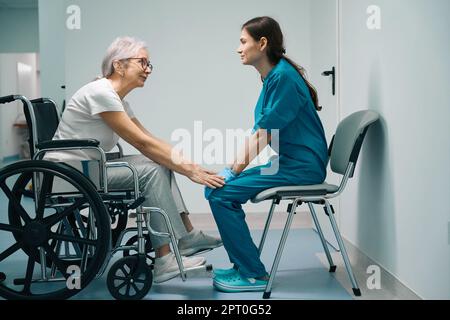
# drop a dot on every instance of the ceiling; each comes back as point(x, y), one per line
point(18, 4)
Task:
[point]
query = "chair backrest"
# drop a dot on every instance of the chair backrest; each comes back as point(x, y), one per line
point(348, 140)
point(42, 121)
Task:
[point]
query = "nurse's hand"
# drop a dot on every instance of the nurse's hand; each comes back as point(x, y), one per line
point(205, 177)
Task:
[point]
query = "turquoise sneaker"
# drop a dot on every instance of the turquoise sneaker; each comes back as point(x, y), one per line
point(237, 283)
point(224, 272)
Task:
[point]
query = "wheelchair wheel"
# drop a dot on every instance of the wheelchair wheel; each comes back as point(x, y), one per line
point(35, 232)
point(149, 251)
point(21, 190)
point(130, 278)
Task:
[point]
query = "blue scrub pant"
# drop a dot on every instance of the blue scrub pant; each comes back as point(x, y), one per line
point(226, 205)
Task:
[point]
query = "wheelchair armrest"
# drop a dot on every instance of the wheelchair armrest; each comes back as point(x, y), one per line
point(55, 144)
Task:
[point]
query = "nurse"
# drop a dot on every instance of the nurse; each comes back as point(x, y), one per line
point(286, 118)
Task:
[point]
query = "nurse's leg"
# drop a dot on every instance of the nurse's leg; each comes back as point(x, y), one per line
point(226, 205)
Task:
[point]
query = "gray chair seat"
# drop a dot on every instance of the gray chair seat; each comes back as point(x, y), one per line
point(295, 191)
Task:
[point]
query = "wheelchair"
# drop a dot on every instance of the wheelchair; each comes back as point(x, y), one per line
point(63, 219)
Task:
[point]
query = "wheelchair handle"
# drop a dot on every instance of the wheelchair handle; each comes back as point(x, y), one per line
point(7, 99)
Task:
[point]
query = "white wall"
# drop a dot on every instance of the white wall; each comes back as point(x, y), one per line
point(52, 49)
point(19, 30)
point(397, 208)
point(197, 72)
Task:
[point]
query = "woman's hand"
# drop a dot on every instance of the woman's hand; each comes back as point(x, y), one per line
point(228, 176)
point(205, 177)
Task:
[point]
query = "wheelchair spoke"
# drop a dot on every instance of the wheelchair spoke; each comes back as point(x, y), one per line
point(7, 227)
point(50, 221)
point(29, 273)
point(139, 280)
point(5, 254)
point(124, 271)
point(63, 237)
point(45, 189)
point(135, 287)
point(128, 290)
point(58, 263)
point(17, 206)
point(121, 285)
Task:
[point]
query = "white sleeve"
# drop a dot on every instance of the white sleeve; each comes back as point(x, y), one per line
point(128, 109)
point(102, 101)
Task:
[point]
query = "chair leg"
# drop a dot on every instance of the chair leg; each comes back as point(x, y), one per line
point(266, 227)
point(322, 238)
point(281, 245)
point(356, 290)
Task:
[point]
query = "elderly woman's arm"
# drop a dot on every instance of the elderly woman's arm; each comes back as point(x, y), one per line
point(157, 149)
point(143, 129)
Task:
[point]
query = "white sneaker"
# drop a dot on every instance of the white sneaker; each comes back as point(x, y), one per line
point(166, 267)
point(197, 241)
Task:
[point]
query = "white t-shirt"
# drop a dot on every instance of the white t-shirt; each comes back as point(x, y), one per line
point(81, 120)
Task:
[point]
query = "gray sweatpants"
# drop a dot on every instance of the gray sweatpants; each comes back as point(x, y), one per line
point(159, 187)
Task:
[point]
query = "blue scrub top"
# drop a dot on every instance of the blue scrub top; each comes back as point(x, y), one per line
point(286, 104)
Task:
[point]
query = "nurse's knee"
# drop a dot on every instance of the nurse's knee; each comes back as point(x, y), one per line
point(219, 198)
point(217, 195)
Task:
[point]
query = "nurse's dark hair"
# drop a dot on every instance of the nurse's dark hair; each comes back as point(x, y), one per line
point(269, 28)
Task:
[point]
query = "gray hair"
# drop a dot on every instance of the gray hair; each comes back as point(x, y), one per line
point(120, 48)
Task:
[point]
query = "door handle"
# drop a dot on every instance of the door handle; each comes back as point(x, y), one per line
point(332, 73)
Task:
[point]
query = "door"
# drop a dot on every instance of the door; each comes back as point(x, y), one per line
point(324, 62)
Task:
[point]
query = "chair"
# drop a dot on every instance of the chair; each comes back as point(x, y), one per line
point(343, 151)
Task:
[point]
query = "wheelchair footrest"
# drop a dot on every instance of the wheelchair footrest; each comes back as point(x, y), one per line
point(199, 272)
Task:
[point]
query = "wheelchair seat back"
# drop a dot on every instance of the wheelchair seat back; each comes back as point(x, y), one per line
point(42, 120)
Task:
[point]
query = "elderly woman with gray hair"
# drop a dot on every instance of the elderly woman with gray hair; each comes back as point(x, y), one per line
point(98, 110)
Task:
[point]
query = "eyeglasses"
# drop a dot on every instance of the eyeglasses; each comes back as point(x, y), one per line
point(144, 63)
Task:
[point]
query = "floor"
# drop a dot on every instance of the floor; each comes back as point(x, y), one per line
point(302, 274)
point(298, 269)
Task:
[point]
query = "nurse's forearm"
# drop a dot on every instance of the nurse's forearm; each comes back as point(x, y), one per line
point(252, 147)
